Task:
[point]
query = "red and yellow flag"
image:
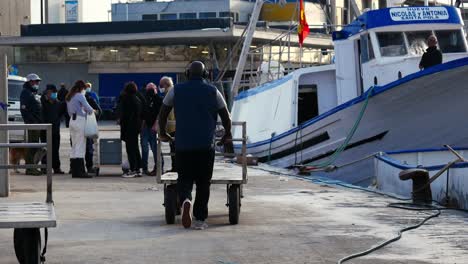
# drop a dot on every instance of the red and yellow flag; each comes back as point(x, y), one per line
point(303, 27)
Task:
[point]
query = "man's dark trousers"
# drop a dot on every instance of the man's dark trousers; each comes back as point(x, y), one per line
point(195, 166)
point(89, 153)
point(55, 147)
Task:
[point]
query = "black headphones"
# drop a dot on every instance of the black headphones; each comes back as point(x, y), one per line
point(205, 73)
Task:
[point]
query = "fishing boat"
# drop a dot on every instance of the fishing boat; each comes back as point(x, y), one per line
point(373, 98)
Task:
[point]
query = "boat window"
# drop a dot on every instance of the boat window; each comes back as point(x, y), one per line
point(367, 53)
point(417, 41)
point(307, 103)
point(392, 44)
point(450, 41)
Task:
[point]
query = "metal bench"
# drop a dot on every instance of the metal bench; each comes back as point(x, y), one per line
point(28, 218)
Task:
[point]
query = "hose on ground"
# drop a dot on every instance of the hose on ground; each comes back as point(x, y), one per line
point(405, 206)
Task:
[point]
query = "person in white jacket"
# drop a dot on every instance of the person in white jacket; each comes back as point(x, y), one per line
point(78, 109)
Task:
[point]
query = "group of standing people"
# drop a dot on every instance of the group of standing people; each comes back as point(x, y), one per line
point(137, 113)
point(196, 104)
point(52, 107)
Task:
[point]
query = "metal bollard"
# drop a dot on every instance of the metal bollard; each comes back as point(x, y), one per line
point(421, 184)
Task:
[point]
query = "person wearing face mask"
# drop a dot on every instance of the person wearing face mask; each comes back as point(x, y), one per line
point(93, 101)
point(31, 111)
point(53, 110)
point(151, 105)
point(90, 92)
point(78, 109)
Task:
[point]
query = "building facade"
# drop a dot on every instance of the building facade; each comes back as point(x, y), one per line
point(238, 10)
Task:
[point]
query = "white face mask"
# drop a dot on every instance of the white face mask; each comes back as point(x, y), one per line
point(162, 90)
point(83, 92)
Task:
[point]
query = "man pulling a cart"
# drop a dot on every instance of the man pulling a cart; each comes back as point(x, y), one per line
point(197, 105)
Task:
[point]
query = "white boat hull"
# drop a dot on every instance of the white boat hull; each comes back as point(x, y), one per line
point(423, 111)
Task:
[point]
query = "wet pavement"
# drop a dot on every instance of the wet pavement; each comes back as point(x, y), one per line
point(283, 220)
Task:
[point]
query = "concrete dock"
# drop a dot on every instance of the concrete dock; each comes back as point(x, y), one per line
point(283, 220)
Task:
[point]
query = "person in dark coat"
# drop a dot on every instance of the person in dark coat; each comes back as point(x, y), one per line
point(432, 56)
point(151, 107)
point(197, 105)
point(31, 111)
point(89, 141)
point(52, 111)
point(131, 109)
point(62, 93)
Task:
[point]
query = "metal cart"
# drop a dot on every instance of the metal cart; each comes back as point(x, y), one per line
point(28, 218)
point(233, 183)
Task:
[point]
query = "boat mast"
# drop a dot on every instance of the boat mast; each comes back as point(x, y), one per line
point(245, 48)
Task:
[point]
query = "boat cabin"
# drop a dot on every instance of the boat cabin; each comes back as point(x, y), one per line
point(385, 45)
point(378, 48)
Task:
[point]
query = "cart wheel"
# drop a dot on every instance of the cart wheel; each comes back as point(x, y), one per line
point(27, 242)
point(234, 204)
point(170, 203)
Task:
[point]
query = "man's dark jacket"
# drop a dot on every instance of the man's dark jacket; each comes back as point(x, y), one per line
point(52, 113)
point(30, 105)
point(431, 57)
point(94, 105)
point(62, 93)
point(152, 104)
point(130, 116)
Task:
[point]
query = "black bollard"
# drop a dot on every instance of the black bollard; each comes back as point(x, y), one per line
point(421, 186)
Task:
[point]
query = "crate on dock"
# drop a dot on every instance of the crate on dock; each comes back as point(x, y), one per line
point(110, 151)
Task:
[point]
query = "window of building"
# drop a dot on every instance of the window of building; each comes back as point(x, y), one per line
point(27, 54)
point(226, 14)
point(188, 15)
point(392, 44)
point(53, 54)
point(149, 17)
point(77, 54)
point(151, 53)
point(417, 41)
point(168, 16)
point(450, 41)
point(127, 53)
point(176, 53)
point(103, 53)
point(207, 14)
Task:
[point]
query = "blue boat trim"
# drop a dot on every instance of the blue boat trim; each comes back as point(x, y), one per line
point(397, 164)
point(422, 150)
point(263, 88)
point(377, 90)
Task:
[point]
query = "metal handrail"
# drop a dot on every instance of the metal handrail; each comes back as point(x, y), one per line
point(243, 153)
point(48, 146)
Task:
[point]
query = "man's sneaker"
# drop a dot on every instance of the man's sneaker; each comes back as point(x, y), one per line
point(187, 213)
point(138, 173)
point(129, 174)
point(199, 225)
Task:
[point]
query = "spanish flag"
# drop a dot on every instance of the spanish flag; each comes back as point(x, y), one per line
point(303, 27)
